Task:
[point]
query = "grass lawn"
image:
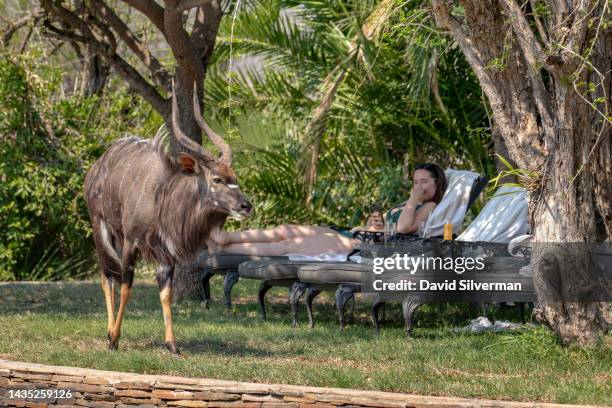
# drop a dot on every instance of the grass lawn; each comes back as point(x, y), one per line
point(65, 324)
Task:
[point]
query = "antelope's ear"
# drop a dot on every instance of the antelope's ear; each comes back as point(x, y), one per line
point(187, 163)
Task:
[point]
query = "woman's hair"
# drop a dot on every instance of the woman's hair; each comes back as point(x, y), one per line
point(438, 175)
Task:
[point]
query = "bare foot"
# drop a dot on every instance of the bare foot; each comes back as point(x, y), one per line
point(212, 246)
point(220, 237)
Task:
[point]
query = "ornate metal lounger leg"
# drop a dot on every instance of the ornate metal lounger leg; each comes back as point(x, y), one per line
point(409, 306)
point(310, 295)
point(343, 294)
point(264, 287)
point(352, 315)
point(295, 293)
point(206, 287)
point(374, 313)
point(523, 306)
point(483, 309)
point(231, 277)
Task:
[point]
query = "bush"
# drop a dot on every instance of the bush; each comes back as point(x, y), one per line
point(47, 143)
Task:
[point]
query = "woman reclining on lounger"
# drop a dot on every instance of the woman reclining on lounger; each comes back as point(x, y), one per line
point(427, 191)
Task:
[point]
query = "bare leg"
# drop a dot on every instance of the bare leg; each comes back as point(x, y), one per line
point(276, 234)
point(325, 242)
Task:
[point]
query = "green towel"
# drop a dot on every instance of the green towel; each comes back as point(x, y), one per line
point(396, 215)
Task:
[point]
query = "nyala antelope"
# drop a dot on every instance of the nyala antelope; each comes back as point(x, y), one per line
point(143, 202)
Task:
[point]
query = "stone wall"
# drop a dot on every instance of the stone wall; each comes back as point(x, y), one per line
point(96, 388)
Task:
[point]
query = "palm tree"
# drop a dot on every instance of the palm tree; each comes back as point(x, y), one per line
point(360, 88)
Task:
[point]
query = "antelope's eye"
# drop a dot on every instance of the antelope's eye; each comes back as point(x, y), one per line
point(217, 180)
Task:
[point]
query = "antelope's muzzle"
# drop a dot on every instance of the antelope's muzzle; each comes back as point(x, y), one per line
point(242, 210)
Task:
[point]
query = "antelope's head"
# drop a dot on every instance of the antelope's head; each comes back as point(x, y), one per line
point(217, 184)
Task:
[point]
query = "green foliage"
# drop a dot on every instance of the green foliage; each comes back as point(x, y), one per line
point(408, 96)
point(47, 143)
point(383, 119)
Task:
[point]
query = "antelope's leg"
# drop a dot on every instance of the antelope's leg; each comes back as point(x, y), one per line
point(164, 280)
point(109, 296)
point(127, 278)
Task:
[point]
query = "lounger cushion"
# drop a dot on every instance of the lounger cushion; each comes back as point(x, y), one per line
point(334, 272)
point(269, 269)
point(229, 261)
point(454, 203)
point(502, 219)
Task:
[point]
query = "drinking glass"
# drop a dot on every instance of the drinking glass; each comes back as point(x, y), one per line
point(389, 230)
point(423, 229)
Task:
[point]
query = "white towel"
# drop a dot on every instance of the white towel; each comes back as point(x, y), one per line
point(326, 257)
point(503, 218)
point(454, 204)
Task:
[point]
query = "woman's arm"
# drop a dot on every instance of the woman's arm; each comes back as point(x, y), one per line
point(410, 218)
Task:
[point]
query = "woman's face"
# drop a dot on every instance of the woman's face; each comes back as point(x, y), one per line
point(424, 180)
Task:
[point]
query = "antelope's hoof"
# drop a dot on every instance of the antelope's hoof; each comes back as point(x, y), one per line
point(112, 344)
point(171, 346)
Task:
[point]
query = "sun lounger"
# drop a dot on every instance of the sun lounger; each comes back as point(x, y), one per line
point(506, 211)
point(463, 189)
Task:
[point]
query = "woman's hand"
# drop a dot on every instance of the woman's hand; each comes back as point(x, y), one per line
point(417, 194)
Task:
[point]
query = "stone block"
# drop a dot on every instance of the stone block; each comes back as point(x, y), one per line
point(100, 397)
point(66, 378)
point(96, 381)
point(215, 396)
point(93, 389)
point(140, 401)
point(188, 403)
point(234, 404)
point(261, 398)
point(133, 385)
point(133, 393)
point(30, 376)
point(172, 395)
point(306, 399)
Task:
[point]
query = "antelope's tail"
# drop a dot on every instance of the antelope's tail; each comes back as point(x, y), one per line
point(108, 249)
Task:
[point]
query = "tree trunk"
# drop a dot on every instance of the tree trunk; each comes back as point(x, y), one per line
point(95, 72)
point(187, 282)
point(192, 55)
point(562, 218)
point(500, 148)
point(546, 99)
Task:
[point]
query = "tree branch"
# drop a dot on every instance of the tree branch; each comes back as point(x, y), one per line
point(528, 41)
point(140, 85)
point(14, 26)
point(185, 5)
point(445, 20)
point(153, 11)
point(478, 62)
point(538, 23)
point(205, 28)
point(181, 45)
point(129, 73)
point(534, 56)
point(160, 76)
point(579, 28)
